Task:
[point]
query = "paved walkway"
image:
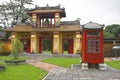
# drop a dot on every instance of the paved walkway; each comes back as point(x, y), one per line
point(45, 66)
point(60, 73)
point(78, 74)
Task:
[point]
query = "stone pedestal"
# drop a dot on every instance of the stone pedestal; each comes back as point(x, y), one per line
point(102, 66)
point(84, 66)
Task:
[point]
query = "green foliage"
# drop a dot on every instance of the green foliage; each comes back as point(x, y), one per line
point(22, 72)
point(1, 28)
point(114, 64)
point(7, 35)
point(14, 11)
point(11, 58)
point(64, 62)
point(1, 45)
point(108, 35)
point(5, 49)
point(17, 47)
point(112, 31)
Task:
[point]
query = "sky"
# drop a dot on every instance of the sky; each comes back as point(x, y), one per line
point(100, 11)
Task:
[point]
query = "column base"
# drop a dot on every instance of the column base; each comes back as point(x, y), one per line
point(84, 66)
point(102, 66)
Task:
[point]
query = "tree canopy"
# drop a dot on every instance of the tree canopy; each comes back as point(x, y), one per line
point(112, 31)
point(14, 11)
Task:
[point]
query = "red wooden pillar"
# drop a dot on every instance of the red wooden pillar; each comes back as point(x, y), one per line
point(28, 45)
point(70, 46)
point(40, 45)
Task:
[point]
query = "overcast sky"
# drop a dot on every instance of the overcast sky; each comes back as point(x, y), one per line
point(101, 11)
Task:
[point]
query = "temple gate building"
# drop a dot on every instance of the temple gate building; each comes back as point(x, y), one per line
point(48, 32)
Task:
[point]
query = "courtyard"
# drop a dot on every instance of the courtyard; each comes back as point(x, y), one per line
point(57, 67)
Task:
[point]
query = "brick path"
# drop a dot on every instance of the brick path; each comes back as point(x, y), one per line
point(45, 66)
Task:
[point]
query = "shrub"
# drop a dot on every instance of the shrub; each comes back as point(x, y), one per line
point(17, 47)
point(5, 49)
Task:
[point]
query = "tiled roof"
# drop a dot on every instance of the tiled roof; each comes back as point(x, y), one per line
point(26, 28)
point(48, 9)
point(70, 22)
point(92, 25)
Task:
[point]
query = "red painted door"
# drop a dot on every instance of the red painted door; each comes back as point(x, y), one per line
point(70, 46)
point(28, 46)
point(40, 45)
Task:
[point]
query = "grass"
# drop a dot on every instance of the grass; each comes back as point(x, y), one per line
point(64, 62)
point(67, 62)
point(114, 64)
point(46, 52)
point(20, 72)
point(12, 58)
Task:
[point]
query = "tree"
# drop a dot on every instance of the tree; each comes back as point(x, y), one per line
point(14, 11)
point(1, 46)
point(17, 47)
point(112, 31)
point(1, 29)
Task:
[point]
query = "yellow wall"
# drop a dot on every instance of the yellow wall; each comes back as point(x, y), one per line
point(57, 40)
point(34, 42)
point(56, 48)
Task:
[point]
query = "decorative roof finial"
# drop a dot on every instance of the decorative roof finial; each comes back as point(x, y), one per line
point(59, 5)
point(47, 5)
point(35, 6)
point(90, 21)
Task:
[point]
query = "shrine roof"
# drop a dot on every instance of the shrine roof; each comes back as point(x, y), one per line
point(92, 25)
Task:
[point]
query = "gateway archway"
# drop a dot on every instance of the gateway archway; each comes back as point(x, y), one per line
point(46, 43)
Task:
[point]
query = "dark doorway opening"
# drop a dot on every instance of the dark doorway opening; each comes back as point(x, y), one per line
point(47, 45)
point(67, 46)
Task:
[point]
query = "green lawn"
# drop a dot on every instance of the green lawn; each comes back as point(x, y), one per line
point(64, 62)
point(12, 58)
point(21, 71)
point(67, 62)
point(114, 64)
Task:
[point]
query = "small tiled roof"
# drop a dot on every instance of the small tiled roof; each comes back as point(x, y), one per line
point(93, 25)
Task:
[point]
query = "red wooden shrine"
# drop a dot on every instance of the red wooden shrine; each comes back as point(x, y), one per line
point(92, 43)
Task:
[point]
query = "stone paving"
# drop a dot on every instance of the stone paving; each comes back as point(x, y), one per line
point(78, 74)
point(75, 73)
